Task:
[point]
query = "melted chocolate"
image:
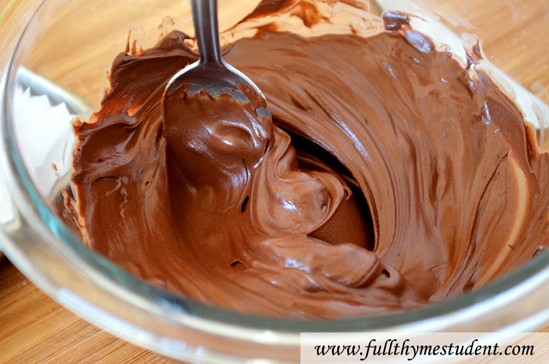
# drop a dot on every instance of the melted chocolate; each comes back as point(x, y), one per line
point(408, 179)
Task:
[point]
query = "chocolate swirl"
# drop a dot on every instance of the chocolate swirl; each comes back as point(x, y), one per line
point(390, 177)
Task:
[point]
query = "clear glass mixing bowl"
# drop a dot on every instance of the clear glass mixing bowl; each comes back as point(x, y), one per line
point(64, 48)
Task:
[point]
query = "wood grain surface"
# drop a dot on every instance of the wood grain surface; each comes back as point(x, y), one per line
point(35, 329)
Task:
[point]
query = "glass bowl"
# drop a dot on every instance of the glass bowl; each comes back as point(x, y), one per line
point(65, 48)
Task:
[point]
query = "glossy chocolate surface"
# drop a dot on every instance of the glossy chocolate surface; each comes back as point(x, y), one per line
point(390, 177)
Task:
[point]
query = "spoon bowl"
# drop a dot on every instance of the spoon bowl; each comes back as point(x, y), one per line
point(215, 119)
point(212, 79)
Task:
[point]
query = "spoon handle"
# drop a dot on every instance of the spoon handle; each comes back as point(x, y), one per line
point(206, 30)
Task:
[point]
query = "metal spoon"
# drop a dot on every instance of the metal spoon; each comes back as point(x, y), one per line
point(211, 74)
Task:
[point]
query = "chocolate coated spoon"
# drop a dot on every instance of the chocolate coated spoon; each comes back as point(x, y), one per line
point(210, 75)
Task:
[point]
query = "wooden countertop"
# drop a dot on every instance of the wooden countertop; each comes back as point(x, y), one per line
point(34, 328)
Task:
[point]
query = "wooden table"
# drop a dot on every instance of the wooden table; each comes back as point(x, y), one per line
point(34, 328)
